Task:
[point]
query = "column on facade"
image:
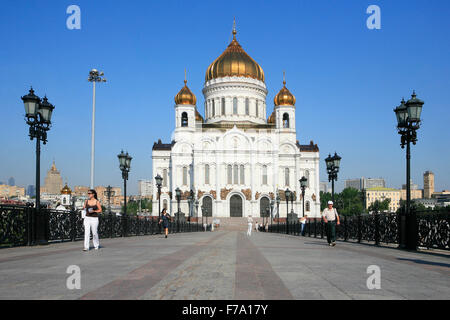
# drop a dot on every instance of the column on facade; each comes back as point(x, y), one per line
point(297, 176)
point(276, 151)
point(317, 186)
point(218, 201)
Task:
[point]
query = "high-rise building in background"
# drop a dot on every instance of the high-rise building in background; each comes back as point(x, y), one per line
point(323, 186)
point(31, 191)
point(428, 184)
point(412, 185)
point(145, 188)
point(354, 183)
point(53, 181)
point(365, 183)
point(11, 182)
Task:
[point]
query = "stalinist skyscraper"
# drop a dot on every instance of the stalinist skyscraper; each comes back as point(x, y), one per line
point(53, 181)
point(428, 184)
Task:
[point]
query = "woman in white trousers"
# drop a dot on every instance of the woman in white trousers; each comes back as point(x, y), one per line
point(93, 208)
point(250, 225)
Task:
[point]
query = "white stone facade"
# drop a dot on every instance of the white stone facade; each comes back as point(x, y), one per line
point(263, 157)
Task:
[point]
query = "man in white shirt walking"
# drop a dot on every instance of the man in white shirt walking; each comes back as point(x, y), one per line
point(331, 217)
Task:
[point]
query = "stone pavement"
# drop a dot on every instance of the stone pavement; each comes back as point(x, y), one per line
point(221, 265)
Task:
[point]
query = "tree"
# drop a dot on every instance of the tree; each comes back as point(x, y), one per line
point(378, 205)
point(133, 206)
point(324, 198)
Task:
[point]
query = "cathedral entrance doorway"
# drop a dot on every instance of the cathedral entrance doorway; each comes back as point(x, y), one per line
point(264, 204)
point(207, 204)
point(235, 206)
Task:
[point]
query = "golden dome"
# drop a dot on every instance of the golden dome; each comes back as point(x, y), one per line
point(271, 118)
point(66, 190)
point(198, 116)
point(284, 97)
point(234, 61)
point(185, 96)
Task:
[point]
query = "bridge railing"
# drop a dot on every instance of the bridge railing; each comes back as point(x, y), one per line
point(424, 229)
point(22, 225)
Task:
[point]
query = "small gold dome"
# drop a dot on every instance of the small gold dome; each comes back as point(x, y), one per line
point(271, 118)
point(185, 96)
point(234, 61)
point(198, 116)
point(284, 97)
point(66, 190)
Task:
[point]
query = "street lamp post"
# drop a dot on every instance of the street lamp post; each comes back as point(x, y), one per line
point(333, 164)
point(203, 213)
point(408, 122)
point(125, 165)
point(272, 203)
point(38, 115)
point(292, 202)
point(287, 194)
point(158, 180)
point(178, 197)
point(196, 208)
point(278, 211)
point(94, 76)
point(303, 184)
point(190, 201)
point(109, 193)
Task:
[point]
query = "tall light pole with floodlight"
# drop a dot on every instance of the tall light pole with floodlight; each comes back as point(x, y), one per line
point(94, 76)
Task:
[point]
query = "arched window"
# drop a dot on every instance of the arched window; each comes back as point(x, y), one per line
point(307, 177)
point(286, 176)
point(256, 109)
point(236, 175)
point(213, 108)
point(207, 174)
point(185, 176)
point(242, 174)
point(164, 184)
point(230, 174)
point(235, 105)
point(247, 108)
point(184, 119)
point(264, 174)
point(307, 206)
point(285, 120)
point(223, 106)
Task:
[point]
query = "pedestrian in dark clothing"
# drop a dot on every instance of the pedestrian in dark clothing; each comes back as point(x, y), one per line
point(165, 219)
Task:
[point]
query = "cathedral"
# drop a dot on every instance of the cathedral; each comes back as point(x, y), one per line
point(235, 159)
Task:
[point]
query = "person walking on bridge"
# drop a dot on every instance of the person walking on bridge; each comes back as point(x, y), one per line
point(165, 218)
point(93, 209)
point(331, 217)
point(250, 225)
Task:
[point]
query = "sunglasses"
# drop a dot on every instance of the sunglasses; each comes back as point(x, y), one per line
point(90, 193)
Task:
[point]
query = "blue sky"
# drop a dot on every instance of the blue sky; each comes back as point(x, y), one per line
point(347, 79)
